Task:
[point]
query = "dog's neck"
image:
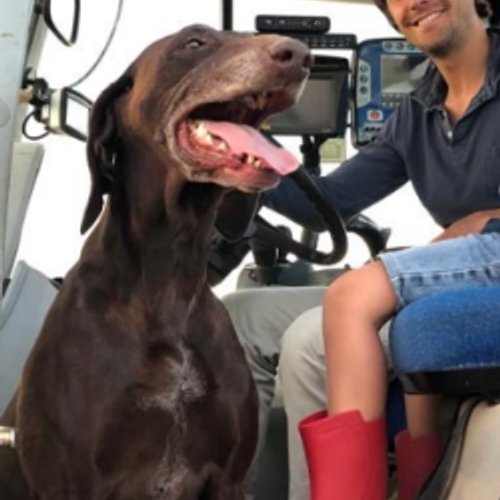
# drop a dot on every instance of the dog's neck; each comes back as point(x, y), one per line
point(150, 228)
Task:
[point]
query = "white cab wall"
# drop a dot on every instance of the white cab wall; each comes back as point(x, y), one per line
point(51, 240)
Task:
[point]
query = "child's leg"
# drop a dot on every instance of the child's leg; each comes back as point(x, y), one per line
point(340, 447)
point(421, 414)
point(347, 450)
point(418, 448)
point(355, 307)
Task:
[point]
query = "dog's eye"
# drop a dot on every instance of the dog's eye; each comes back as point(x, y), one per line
point(194, 43)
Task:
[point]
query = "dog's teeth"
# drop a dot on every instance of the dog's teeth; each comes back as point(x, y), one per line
point(258, 163)
point(256, 101)
point(222, 146)
point(250, 159)
point(200, 129)
point(261, 100)
point(202, 134)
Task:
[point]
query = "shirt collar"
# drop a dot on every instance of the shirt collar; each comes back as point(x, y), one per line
point(432, 91)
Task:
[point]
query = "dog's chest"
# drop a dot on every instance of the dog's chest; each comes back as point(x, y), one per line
point(173, 380)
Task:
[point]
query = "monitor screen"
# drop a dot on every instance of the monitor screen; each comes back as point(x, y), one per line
point(400, 73)
point(77, 115)
point(321, 110)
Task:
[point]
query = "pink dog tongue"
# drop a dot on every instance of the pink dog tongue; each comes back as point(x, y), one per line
point(244, 139)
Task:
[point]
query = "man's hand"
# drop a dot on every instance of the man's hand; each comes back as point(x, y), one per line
point(471, 224)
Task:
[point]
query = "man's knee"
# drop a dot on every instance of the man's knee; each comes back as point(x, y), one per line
point(245, 308)
point(258, 326)
point(242, 302)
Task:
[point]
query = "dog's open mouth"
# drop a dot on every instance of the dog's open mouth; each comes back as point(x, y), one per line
point(225, 135)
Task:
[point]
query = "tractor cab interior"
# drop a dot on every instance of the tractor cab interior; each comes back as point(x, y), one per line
point(449, 344)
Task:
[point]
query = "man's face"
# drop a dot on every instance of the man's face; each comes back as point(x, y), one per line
point(437, 27)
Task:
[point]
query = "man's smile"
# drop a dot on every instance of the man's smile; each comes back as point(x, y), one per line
point(427, 17)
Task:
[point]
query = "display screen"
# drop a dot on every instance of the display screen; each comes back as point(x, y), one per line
point(320, 109)
point(401, 73)
point(77, 114)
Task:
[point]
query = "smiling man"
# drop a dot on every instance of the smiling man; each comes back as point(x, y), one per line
point(452, 33)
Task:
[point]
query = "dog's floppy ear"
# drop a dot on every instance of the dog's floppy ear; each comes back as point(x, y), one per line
point(101, 148)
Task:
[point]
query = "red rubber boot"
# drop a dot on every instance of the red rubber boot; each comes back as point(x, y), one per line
point(346, 456)
point(415, 460)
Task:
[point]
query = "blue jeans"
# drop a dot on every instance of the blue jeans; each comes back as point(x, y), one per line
point(468, 261)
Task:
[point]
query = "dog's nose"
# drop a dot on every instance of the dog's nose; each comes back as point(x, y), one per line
point(289, 52)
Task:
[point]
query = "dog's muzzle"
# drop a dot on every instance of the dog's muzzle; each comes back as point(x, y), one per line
point(7, 437)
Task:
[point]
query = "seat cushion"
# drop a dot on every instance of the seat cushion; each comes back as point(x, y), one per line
point(449, 342)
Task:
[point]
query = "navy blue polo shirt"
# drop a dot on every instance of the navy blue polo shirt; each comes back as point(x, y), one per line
point(454, 169)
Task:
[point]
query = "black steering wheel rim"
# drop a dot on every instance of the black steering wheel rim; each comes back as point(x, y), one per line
point(268, 233)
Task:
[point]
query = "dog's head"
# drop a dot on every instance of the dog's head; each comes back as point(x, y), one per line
point(194, 101)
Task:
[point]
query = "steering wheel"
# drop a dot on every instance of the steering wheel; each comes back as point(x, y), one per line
point(271, 235)
point(233, 239)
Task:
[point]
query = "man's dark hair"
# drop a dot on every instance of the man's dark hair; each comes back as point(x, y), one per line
point(483, 9)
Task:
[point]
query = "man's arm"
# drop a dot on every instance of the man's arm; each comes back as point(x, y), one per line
point(358, 183)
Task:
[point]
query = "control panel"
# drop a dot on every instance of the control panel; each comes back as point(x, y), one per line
point(385, 72)
point(284, 24)
point(326, 40)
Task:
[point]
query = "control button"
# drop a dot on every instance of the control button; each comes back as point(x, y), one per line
point(375, 115)
point(363, 89)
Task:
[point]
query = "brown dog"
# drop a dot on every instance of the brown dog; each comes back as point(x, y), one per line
point(137, 387)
